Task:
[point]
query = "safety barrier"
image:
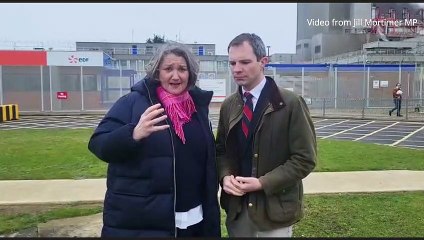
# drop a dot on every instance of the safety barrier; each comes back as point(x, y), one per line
point(9, 112)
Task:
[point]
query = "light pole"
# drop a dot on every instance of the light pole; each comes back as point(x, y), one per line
point(268, 49)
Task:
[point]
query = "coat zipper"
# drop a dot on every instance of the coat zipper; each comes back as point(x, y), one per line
point(214, 147)
point(173, 165)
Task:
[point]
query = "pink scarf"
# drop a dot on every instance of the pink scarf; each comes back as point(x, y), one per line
point(179, 109)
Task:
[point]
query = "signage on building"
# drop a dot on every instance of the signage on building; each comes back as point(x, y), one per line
point(384, 83)
point(218, 87)
point(85, 59)
point(62, 95)
point(376, 84)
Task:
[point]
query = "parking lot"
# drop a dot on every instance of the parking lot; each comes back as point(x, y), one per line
point(392, 133)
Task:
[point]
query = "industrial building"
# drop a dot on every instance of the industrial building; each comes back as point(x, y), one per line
point(365, 36)
point(346, 27)
point(93, 76)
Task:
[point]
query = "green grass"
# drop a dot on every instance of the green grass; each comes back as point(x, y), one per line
point(63, 154)
point(336, 156)
point(48, 154)
point(360, 215)
point(10, 223)
point(330, 215)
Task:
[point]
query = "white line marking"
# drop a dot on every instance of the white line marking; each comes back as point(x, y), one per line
point(320, 121)
point(407, 136)
point(348, 130)
point(331, 124)
point(371, 133)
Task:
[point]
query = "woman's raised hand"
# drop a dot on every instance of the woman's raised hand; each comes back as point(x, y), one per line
point(146, 124)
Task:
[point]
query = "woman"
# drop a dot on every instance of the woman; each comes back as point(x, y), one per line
point(158, 141)
point(397, 100)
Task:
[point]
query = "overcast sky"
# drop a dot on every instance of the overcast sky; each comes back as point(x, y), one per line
point(62, 24)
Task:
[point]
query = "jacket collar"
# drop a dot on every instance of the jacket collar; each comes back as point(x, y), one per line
point(275, 97)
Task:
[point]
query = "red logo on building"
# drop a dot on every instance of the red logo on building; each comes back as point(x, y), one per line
point(73, 59)
point(62, 95)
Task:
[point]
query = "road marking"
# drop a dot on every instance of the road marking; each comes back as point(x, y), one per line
point(320, 121)
point(407, 136)
point(331, 124)
point(347, 130)
point(371, 133)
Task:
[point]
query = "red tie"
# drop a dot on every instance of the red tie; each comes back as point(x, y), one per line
point(247, 113)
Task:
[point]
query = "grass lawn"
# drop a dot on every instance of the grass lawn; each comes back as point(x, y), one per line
point(331, 215)
point(63, 154)
point(360, 215)
point(337, 156)
point(48, 154)
point(13, 221)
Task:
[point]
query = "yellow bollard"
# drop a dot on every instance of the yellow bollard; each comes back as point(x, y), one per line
point(9, 112)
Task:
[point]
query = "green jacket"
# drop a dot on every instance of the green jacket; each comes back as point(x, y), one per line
point(284, 152)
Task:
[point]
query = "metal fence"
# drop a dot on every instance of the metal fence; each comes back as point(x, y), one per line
point(352, 81)
point(411, 108)
point(330, 89)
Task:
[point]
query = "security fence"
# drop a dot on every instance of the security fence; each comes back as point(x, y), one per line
point(411, 108)
point(351, 81)
point(352, 90)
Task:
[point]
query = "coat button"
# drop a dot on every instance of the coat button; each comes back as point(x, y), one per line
point(255, 155)
point(250, 205)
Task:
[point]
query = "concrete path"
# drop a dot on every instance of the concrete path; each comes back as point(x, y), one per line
point(19, 193)
point(93, 190)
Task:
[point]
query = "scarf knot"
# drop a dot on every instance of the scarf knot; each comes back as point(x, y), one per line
point(179, 109)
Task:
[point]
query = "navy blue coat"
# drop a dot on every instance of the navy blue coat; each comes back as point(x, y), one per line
point(140, 196)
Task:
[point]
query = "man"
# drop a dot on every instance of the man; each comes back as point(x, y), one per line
point(265, 147)
point(397, 100)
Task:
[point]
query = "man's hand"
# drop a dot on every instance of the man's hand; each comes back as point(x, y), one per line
point(231, 186)
point(248, 184)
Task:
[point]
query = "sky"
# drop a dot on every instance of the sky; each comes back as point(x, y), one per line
point(60, 25)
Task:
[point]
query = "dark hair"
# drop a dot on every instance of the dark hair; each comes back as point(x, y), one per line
point(179, 50)
point(254, 40)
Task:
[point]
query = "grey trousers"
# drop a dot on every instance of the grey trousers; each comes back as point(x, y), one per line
point(242, 226)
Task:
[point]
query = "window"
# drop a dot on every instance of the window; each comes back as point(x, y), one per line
point(222, 66)
point(140, 65)
point(134, 49)
point(133, 64)
point(70, 83)
point(201, 51)
point(149, 50)
point(318, 49)
point(90, 82)
point(124, 64)
point(202, 76)
point(207, 66)
point(298, 46)
point(306, 45)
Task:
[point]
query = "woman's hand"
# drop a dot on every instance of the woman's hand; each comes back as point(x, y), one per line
point(146, 124)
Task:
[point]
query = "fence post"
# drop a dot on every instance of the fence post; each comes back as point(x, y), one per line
point(406, 108)
point(323, 108)
point(363, 107)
